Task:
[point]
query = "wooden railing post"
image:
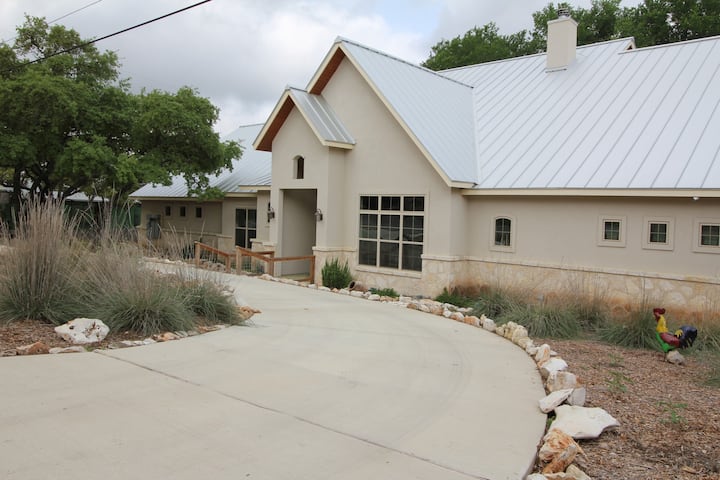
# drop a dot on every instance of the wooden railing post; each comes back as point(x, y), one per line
point(312, 269)
point(197, 254)
point(271, 266)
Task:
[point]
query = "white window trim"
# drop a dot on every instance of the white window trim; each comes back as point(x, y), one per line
point(513, 228)
point(601, 231)
point(670, 244)
point(697, 226)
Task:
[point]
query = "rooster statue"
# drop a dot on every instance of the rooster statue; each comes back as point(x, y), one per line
point(682, 338)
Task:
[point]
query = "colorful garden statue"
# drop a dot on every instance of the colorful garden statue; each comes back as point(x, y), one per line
point(683, 337)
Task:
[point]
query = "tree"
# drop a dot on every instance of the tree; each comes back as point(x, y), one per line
point(477, 46)
point(68, 124)
point(597, 24)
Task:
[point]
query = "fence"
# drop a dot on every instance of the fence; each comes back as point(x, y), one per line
point(259, 262)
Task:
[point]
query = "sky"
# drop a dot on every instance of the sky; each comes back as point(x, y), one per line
point(241, 54)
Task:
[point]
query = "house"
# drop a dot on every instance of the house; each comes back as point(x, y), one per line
point(222, 223)
point(593, 168)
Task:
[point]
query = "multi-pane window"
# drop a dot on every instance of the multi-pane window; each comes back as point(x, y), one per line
point(503, 232)
point(198, 212)
point(245, 226)
point(392, 231)
point(709, 235)
point(658, 233)
point(611, 230)
point(182, 211)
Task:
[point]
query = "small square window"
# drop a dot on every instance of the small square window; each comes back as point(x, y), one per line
point(503, 234)
point(182, 211)
point(168, 210)
point(611, 231)
point(198, 212)
point(658, 233)
point(706, 236)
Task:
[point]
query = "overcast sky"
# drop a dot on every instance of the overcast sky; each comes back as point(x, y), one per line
point(242, 53)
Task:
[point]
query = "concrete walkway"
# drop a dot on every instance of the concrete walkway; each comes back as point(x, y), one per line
point(319, 386)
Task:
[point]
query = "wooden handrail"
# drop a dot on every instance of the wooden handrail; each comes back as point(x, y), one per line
point(199, 247)
point(271, 260)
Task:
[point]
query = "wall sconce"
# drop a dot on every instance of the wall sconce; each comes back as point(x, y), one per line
point(270, 213)
point(318, 215)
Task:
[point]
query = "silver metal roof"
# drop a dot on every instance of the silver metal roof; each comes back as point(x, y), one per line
point(437, 111)
point(321, 117)
point(614, 119)
point(251, 170)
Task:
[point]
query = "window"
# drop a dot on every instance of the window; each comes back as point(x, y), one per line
point(392, 231)
point(299, 168)
point(707, 235)
point(245, 226)
point(611, 231)
point(168, 210)
point(658, 233)
point(182, 211)
point(198, 212)
point(503, 235)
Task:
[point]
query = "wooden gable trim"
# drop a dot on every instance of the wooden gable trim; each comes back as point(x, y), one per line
point(276, 120)
point(328, 68)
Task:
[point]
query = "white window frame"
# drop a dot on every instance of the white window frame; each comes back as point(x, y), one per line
point(602, 242)
point(697, 229)
point(513, 228)
point(669, 244)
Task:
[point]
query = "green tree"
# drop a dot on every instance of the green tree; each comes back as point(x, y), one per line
point(69, 124)
point(596, 24)
point(477, 46)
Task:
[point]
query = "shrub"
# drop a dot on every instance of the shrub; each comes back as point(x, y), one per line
point(335, 275)
point(210, 302)
point(636, 330)
point(545, 321)
point(454, 298)
point(385, 292)
point(36, 280)
point(494, 302)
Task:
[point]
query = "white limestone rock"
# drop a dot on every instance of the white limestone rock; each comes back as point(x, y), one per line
point(543, 354)
point(536, 476)
point(487, 323)
point(577, 397)
point(356, 293)
point(81, 331)
point(582, 422)
point(75, 349)
point(324, 289)
point(374, 297)
point(555, 364)
point(553, 400)
point(674, 357)
point(561, 381)
point(518, 334)
point(457, 316)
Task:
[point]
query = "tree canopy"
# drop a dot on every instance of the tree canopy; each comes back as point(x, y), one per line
point(69, 124)
point(652, 22)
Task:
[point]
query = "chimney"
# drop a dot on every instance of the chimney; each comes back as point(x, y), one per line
point(561, 41)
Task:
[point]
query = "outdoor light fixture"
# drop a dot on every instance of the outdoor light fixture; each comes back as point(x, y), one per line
point(318, 215)
point(270, 213)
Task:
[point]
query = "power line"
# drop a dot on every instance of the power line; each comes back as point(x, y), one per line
point(59, 18)
point(90, 42)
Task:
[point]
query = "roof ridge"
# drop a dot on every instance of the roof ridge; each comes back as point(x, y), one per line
point(673, 44)
point(341, 39)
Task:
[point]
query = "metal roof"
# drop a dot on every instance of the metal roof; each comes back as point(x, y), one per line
point(614, 119)
point(247, 173)
point(436, 111)
point(322, 118)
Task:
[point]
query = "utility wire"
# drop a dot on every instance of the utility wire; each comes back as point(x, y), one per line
point(59, 18)
point(90, 42)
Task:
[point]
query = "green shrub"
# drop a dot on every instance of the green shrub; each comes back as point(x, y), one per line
point(494, 302)
point(637, 330)
point(454, 298)
point(385, 292)
point(712, 378)
point(210, 302)
point(544, 321)
point(36, 279)
point(708, 338)
point(335, 275)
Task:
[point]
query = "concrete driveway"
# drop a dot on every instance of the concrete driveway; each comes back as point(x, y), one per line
point(319, 386)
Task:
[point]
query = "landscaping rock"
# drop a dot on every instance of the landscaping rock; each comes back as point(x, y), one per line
point(577, 397)
point(374, 297)
point(82, 331)
point(554, 443)
point(457, 316)
point(536, 476)
point(562, 461)
point(487, 323)
point(561, 381)
point(75, 349)
point(543, 354)
point(166, 337)
point(582, 422)
point(553, 400)
point(675, 357)
point(555, 364)
point(37, 348)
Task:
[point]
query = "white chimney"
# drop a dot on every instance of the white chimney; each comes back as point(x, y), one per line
point(561, 41)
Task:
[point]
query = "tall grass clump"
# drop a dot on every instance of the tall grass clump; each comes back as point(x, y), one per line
point(335, 274)
point(636, 329)
point(545, 321)
point(207, 299)
point(37, 278)
point(454, 297)
point(494, 302)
